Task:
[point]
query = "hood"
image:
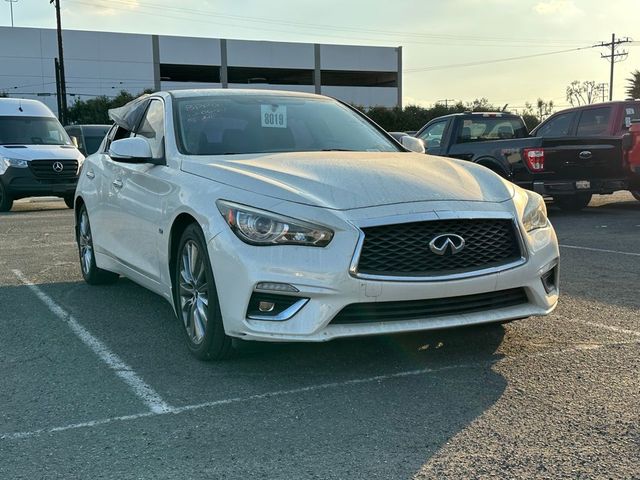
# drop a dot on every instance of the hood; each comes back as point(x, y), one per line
point(40, 152)
point(347, 180)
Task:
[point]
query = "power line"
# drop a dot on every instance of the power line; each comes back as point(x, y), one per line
point(438, 39)
point(495, 60)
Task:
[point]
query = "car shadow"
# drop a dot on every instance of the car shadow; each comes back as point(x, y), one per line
point(386, 403)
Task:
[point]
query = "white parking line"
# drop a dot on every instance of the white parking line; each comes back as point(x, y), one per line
point(294, 391)
point(143, 391)
point(601, 250)
point(605, 326)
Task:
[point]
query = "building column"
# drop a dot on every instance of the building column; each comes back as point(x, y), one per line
point(317, 74)
point(399, 50)
point(155, 48)
point(224, 79)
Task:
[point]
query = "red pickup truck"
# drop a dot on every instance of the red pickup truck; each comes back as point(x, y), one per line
point(610, 119)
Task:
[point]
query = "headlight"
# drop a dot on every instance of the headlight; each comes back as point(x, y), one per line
point(257, 227)
point(535, 212)
point(11, 162)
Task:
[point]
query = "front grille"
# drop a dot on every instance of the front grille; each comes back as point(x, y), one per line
point(402, 250)
point(424, 309)
point(44, 168)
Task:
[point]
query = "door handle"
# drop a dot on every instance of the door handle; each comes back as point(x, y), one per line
point(90, 174)
point(117, 184)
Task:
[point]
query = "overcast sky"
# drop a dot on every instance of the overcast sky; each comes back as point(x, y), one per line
point(436, 35)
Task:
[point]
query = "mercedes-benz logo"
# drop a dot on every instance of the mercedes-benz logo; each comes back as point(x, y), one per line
point(58, 167)
point(447, 243)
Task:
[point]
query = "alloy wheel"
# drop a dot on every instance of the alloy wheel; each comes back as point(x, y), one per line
point(85, 242)
point(193, 291)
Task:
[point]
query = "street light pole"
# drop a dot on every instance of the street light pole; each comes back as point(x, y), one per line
point(11, 2)
point(62, 114)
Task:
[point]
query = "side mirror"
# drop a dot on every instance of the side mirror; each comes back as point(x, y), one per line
point(74, 140)
point(131, 150)
point(412, 143)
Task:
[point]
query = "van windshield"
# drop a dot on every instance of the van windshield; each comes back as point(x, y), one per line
point(32, 131)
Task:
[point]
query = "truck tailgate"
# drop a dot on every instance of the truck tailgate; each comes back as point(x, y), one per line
point(584, 158)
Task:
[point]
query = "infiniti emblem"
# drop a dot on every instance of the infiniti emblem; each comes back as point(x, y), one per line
point(58, 167)
point(447, 242)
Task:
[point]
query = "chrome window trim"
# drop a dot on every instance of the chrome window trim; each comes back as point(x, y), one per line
point(435, 216)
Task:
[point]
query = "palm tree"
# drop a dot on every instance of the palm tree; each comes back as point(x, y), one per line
point(633, 87)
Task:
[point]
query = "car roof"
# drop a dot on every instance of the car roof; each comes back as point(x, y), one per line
point(598, 105)
point(90, 128)
point(480, 114)
point(209, 92)
point(16, 107)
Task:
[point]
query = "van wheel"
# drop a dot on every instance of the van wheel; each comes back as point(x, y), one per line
point(196, 299)
point(572, 203)
point(68, 202)
point(636, 194)
point(6, 202)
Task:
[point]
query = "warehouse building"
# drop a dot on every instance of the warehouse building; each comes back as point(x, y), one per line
point(102, 63)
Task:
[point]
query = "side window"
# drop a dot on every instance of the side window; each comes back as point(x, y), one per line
point(631, 113)
point(594, 122)
point(152, 128)
point(432, 135)
point(77, 134)
point(558, 126)
point(115, 133)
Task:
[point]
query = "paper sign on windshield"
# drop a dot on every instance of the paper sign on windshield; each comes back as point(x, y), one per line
point(273, 116)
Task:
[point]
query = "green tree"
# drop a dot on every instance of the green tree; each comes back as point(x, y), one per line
point(633, 85)
point(96, 110)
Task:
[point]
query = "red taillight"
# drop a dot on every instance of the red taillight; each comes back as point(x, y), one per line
point(534, 158)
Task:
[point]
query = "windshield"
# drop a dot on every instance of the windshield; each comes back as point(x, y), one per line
point(32, 131)
point(226, 125)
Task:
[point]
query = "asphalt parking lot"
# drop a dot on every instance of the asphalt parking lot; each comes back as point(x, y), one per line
point(97, 383)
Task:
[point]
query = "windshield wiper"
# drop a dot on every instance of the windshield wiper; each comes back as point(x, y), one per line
point(337, 150)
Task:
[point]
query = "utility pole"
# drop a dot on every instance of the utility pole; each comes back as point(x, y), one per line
point(11, 2)
point(602, 89)
point(614, 56)
point(56, 66)
point(446, 102)
point(62, 113)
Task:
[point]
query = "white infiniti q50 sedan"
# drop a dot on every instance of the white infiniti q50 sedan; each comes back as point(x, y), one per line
point(279, 216)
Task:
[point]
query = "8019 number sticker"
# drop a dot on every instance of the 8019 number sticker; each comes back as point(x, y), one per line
point(273, 116)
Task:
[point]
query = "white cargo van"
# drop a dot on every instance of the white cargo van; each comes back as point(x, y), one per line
point(37, 157)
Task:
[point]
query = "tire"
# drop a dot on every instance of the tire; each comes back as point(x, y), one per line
point(90, 271)
point(573, 203)
point(196, 299)
point(636, 194)
point(69, 202)
point(6, 201)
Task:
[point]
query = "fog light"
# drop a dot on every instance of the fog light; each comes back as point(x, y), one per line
point(266, 306)
point(550, 280)
point(272, 307)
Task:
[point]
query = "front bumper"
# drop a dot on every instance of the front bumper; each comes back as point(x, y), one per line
point(570, 187)
point(21, 183)
point(322, 276)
